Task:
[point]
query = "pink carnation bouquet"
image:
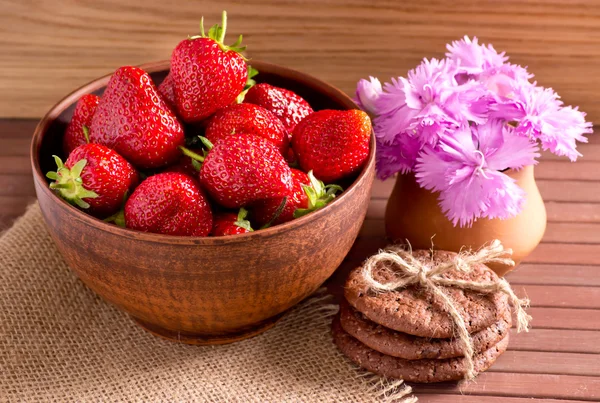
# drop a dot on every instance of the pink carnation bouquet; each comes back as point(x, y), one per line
point(461, 122)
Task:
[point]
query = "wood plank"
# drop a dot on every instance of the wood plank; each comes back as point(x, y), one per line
point(584, 388)
point(7, 220)
point(565, 318)
point(444, 398)
point(79, 41)
point(12, 207)
point(572, 232)
point(372, 227)
point(590, 151)
point(16, 147)
point(544, 362)
point(557, 340)
point(583, 170)
point(16, 166)
point(560, 295)
point(17, 129)
point(571, 212)
point(565, 253)
point(376, 209)
point(555, 274)
point(16, 184)
point(566, 191)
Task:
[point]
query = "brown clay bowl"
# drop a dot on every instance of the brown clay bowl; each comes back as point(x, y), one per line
point(203, 290)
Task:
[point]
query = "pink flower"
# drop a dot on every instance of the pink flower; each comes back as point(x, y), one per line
point(428, 103)
point(448, 121)
point(466, 170)
point(541, 116)
point(367, 94)
point(473, 58)
point(398, 156)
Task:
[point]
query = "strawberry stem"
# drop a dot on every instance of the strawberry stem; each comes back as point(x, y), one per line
point(223, 27)
point(217, 33)
point(118, 218)
point(318, 195)
point(250, 82)
point(276, 214)
point(241, 220)
point(68, 183)
point(86, 133)
point(206, 142)
point(191, 154)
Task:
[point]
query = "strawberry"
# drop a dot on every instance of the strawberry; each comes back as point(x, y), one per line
point(230, 223)
point(77, 130)
point(94, 178)
point(207, 74)
point(307, 194)
point(242, 169)
point(333, 144)
point(169, 203)
point(288, 106)
point(247, 118)
point(133, 120)
point(167, 91)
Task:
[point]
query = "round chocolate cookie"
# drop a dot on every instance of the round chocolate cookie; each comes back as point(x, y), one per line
point(418, 371)
point(402, 345)
point(417, 311)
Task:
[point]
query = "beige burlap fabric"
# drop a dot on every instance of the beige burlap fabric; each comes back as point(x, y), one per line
point(60, 342)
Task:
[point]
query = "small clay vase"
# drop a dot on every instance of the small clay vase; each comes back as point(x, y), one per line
point(413, 214)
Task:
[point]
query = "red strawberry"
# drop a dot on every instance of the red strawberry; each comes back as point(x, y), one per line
point(95, 178)
point(308, 194)
point(76, 135)
point(208, 75)
point(230, 223)
point(288, 106)
point(243, 169)
point(333, 144)
point(133, 120)
point(247, 118)
point(169, 203)
point(167, 91)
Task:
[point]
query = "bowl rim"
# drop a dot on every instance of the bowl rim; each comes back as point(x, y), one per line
point(155, 67)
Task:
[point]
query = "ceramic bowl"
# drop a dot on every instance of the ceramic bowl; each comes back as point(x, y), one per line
point(203, 290)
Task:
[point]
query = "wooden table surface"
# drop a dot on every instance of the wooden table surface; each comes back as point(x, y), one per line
point(559, 359)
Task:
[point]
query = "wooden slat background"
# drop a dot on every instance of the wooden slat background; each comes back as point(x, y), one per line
point(50, 47)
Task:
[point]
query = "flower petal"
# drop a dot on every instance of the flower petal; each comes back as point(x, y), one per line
point(488, 194)
point(367, 93)
point(514, 151)
point(397, 156)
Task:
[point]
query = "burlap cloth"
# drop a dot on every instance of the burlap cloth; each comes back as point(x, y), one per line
point(60, 342)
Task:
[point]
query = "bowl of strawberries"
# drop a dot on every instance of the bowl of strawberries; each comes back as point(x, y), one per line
point(205, 195)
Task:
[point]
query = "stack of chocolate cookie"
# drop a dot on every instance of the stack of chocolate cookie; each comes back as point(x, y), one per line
point(408, 333)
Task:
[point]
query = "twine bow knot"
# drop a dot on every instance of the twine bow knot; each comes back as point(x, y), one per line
point(408, 270)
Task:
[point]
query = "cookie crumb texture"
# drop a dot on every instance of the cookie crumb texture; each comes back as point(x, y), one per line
point(418, 312)
point(418, 371)
point(408, 347)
